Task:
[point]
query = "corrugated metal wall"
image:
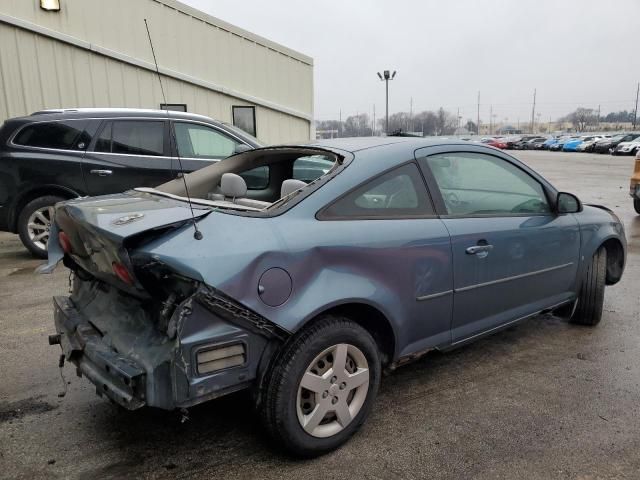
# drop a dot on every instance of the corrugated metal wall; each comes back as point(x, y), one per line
point(38, 72)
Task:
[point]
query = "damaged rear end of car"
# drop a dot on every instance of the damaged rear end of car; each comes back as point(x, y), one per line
point(141, 331)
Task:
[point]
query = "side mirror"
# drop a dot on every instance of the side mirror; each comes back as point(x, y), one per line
point(568, 203)
point(242, 147)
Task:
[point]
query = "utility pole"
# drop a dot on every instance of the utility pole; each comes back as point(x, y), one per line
point(635, 112)
point(491, 120)
point(533, 110)
point(340, 125)
point(410, 125)
point(599, 117)
point(478, 124)
point(373, 130)
point(458, 119)
point(387, 76)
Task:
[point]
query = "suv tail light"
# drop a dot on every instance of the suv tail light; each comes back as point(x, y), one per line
point(122, 273)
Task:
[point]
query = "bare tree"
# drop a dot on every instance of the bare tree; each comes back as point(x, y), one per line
point(582, 118)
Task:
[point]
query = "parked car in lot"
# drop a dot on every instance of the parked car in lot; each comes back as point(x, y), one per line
point(589, 145)
point(304, 292)
point(573, 144)
point(536, 143)
point(608, 145)
point(559, 145)
point(548, 142)
point(57, 155)
point(523, 144)
point(628, 148)
point(634, 189)
point(495, 142)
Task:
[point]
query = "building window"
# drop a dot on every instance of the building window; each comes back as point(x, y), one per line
point(245, 119)
point(50, 5)
point(176, 107)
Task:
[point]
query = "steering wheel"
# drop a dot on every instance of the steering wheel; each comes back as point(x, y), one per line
point(451, 199)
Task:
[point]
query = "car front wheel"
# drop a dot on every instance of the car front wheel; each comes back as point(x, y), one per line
point(636, 205)
point(34, 224)
point(591, 297)
point(322, 387)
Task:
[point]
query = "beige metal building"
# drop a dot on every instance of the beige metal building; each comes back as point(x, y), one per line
point(95, 53)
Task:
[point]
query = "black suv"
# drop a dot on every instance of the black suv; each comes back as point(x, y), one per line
point(56, 155)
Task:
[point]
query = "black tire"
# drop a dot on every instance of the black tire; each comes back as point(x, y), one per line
point(278, 408)
point(636, 205)
point(23, 219)
point(591, 296)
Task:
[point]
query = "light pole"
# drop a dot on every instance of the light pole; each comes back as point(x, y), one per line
point(386, 76)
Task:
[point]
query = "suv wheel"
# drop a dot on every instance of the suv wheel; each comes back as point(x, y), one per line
point(322, 387)
point(636, 205)
point(591, 297)
point(34, 224)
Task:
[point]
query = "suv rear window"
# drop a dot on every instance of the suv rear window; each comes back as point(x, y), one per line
point(132, 137)
point(59, 135)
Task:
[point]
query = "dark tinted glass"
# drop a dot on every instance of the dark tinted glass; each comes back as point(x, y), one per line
point(257, 178)
point(138, 137)
point(103, 143)
point(61, 135)
point(400, 193)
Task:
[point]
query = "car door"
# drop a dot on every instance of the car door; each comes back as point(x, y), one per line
point(128, 153)
point(512, 255)
point(389, 232)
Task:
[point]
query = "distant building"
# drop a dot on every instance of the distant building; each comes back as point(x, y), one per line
point(95, 53)
point(509, 130)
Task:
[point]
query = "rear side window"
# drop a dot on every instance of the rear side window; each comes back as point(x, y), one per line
point(399, 193)
point(59, 135)
point(132, 137)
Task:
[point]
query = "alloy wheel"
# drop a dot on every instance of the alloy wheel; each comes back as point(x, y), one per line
point(332, 390)
point(39, 226)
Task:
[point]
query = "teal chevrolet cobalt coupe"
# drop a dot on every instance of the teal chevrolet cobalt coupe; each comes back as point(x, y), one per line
point(304, 288)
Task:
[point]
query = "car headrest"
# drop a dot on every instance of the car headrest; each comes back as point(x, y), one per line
point(290, 186)
point(232, 185)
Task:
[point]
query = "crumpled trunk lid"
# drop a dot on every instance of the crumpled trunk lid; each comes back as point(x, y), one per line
point(101, 229)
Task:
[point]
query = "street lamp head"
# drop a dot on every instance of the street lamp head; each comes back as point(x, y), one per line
point(380, 76)
point(393, 76)
point(386, 75)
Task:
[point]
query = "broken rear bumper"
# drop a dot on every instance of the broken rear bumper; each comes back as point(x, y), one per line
point(114, 375)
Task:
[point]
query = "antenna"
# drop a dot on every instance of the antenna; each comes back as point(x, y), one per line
point(197, 234)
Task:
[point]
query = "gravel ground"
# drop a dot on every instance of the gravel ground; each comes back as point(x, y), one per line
point(544, 399)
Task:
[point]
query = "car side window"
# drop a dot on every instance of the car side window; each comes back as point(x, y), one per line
point(310, 168)
point(199, 141)
point(480, 184)
point(59, 135)
point(132, 137)
point(256, 178)
point(399, 193)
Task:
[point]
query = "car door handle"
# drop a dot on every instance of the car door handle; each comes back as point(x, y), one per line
point(102, 173)
point(479, 249)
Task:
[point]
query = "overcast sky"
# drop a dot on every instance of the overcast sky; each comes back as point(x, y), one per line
point(575, 52)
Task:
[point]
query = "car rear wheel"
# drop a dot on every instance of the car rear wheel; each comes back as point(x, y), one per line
point(322, 387)
point(34, 224)
point(636, 205)
point(591, 297)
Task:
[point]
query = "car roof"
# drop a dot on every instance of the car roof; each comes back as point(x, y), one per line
point(355, 144)
point(70, 113)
